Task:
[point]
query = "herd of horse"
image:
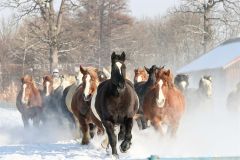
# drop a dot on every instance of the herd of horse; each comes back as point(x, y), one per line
point(98, 103)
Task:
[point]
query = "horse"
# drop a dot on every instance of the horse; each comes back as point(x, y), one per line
point(116, 103)
point(29, 102)
point(141, 89)
point(140, 75)
point(52, 101)
point(233, 100)
point(164, 104)
point(81, 103)
point(203, 95)
point(69, 92)
point(181, 81)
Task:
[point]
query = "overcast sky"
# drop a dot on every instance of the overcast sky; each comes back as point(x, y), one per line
point(139, 8)
point(150, 8)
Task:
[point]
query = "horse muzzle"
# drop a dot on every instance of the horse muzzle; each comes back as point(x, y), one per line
point(87, 98)
point(160, 103)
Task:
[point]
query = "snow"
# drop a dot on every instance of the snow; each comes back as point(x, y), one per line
point(219, 57)
point(200, 134)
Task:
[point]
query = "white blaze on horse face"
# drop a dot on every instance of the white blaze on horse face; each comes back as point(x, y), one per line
point(47, 88)
point(183, 84)
point(139, 78)
point(119, 65)
point(161, 98)
point(24, 101)
point(87, 86)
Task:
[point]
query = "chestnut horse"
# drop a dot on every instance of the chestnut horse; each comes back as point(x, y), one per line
point(140, 75)
point(81, 103)
point(29, 102)
point(164, 104)
point(142, 88)
point(117, 103)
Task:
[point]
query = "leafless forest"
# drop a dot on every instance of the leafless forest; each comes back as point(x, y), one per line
point(45, 34)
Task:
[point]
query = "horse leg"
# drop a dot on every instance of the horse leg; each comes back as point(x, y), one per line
point(85, 130)
point(139, 123)
point(143, 123)
point(111, 136)
point(98, 123)
point(128, 136)
point(25, 121)
point(92, 129)
point(122, 132)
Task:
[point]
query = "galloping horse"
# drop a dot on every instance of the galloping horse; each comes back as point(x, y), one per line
point(29, 102)
point(140, 75)
point(53, 107)
point(203, 95)
point(141, 89)
point(117, 103)
point(69, 92)
point(233, 100)
point(181, 82)
point(164, 104)
point(81, 103)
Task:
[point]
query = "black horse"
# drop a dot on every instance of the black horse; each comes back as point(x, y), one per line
point(141, 88)
point(117, 103)
point(181, 81)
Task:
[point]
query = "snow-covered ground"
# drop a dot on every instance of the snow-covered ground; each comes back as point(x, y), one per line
point(200, 134)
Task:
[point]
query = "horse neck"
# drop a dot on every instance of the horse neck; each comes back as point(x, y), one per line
point(150, 81)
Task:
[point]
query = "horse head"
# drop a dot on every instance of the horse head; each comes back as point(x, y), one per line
point(47, 85)
point(90, 82)
point(164, 82)
point(27, 89)
point(205, 86)
point(118, 71)
point(151, 73)
point(181, 81)
point(140, 74)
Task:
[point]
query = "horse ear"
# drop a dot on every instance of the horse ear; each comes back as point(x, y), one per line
point(113, 56)
point(22, 79)
point(147, 69)
point(123, 56)
point(167, 73)
point(135, 70)
point(82, 70)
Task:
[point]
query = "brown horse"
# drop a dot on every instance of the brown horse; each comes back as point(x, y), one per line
point(29, 102)
point(140, 75)
point(81, 103)
point(117, 103)
point(164, 104)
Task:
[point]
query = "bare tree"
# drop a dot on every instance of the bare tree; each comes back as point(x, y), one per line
point(212, 12)
point(52, 18)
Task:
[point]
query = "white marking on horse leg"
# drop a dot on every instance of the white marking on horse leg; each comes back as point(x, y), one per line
point(119, 65)
point(164, 127)
point(161, 98)
point(139, 79)
point(23, 93)
point(87, 87)
point(47, 88)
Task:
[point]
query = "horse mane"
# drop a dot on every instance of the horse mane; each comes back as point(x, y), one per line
point(93, 72)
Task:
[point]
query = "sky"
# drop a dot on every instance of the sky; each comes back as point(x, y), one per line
point(150, 8)
point(138, 8)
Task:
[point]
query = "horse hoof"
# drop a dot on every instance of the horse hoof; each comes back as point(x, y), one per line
point(85, 142)
point(125, 146)
point(115, 156)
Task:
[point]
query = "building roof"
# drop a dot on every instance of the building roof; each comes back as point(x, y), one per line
point(220, 57)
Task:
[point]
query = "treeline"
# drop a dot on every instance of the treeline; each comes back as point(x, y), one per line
point(45, 34)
